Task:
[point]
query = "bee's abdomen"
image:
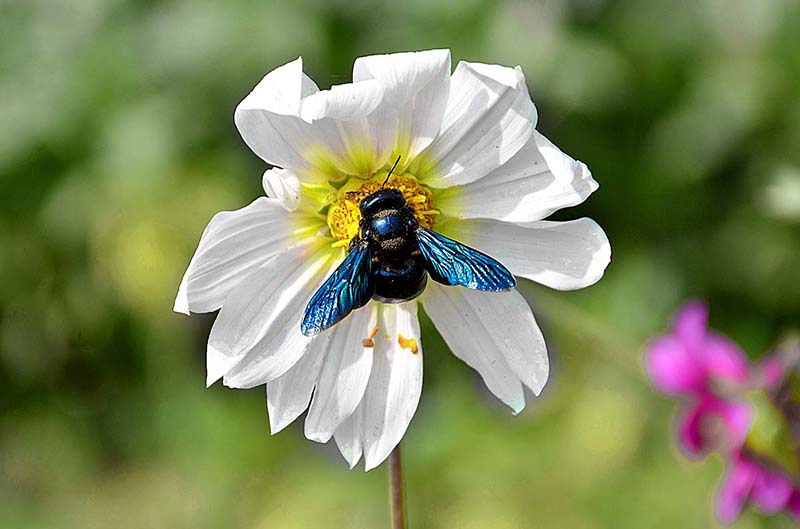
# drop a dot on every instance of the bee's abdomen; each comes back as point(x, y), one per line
point(399, 280)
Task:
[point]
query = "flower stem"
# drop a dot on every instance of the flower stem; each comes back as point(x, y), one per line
point(397, 495)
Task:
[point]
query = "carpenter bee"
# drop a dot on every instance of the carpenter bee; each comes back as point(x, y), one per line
point(390, 260)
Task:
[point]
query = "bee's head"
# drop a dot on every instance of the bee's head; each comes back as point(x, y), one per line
point(381, 200)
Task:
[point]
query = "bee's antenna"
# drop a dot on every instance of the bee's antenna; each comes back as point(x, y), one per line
point(391, 171)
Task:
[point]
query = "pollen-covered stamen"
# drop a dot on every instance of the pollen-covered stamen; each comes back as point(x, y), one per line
point(369, 341)
point(344, 214)
point(408, 343)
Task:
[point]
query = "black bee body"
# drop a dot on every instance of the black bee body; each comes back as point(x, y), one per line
point(390, 260)
point(389, 228)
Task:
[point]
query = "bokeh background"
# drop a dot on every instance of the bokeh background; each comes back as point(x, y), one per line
point(117, 146)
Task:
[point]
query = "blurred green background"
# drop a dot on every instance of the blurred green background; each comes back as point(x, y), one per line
point(117, 146)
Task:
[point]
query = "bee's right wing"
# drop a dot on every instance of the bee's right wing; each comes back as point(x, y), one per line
point(348, 288)
point(451, 263)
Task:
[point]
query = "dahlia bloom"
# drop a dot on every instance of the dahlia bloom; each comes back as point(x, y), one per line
point(472, 166)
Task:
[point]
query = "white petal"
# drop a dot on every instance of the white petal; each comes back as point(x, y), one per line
point(395, 383)
point(416, 84)
point(348, 437)
point(344, 375)
point(279, 93)
point(340, 134)
point(489, 118)
point(495, 333)
point(256, 336)
point(283, 186)
point(289, 394)
point(537, 181)
point(562, 255)
point(313, 133)
point(233, 245)
point(344, 102)
point(282, 90)
point(470, 339)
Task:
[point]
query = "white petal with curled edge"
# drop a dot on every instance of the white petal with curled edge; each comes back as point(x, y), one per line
point(345, 102)
point(289, 395)
point(496, 334)
point(416, 86)
point(348, 437)
point(317, 135)
point(234, 245)
point(562, 255)
point(281, 91)
point(256, 336)
point(489, 118)
point(537, 181)
point(395, 383)
point(278, 94)
point(342, 135)
point(469, 338)
point(344, 375)
point(282, 185)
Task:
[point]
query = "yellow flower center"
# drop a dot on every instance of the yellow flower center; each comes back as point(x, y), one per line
point(344, 214)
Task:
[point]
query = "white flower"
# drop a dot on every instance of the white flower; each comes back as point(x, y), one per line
point(473, 167)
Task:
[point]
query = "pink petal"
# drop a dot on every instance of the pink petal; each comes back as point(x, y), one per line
point(691, 322)
point(735, 490)
point(713, 424)
point(671, 366)
point(738, 417)
point(690, 434)
point(772, 370)
point(723, 359)
point(771, 491)
point(793, 505)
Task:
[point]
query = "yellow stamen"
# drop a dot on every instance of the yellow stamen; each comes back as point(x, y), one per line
point(344, 214)
point(408, 343)
point(369, 341)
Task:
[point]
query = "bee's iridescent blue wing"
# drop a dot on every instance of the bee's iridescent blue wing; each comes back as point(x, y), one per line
point(348, 288)
point(451, 263)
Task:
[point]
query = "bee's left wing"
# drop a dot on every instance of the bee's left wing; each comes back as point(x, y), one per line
point(451, 263)
point(349, 287)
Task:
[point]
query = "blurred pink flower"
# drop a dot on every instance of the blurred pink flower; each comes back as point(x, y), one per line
point(748, 481)
point(694, 363)
point(711, 377)
point(690, 359)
